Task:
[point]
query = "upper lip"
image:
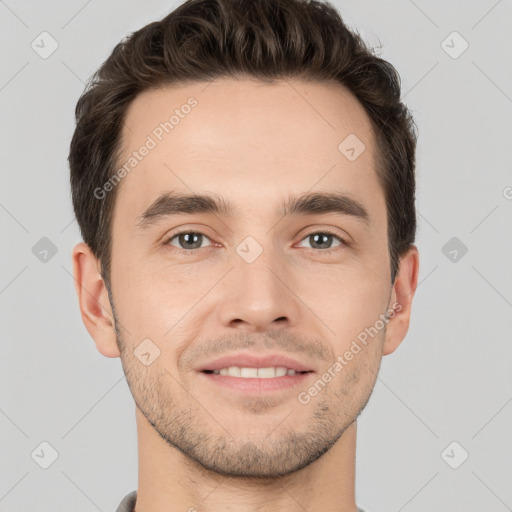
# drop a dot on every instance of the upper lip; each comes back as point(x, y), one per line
point(247, 360)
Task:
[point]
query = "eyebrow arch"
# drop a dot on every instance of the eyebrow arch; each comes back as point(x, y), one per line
point(170, 204)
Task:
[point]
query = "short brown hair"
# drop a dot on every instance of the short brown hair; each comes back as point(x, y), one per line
point(202, 40)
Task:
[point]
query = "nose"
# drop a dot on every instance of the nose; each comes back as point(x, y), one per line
point(259, 296)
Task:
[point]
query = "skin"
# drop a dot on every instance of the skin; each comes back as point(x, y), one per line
point(204, 447)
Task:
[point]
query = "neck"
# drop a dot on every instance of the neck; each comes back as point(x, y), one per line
point(169, 481)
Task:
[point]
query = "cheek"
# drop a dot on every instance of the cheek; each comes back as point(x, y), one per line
point(346, 300)
point(142, 298)
point(341, 298)
point(163, 303)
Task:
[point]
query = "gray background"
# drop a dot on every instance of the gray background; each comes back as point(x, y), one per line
point(449, 381)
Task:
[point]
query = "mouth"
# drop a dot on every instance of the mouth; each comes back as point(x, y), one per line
point(255, 381)
point(255, 365)
point(256, 373)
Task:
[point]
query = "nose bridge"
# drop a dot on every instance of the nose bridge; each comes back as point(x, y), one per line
point(256, 294)
point(255, 266)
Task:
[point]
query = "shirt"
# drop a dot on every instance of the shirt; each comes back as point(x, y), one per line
point(128, 503)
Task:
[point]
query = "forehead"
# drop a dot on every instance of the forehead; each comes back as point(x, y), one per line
point(253, 142)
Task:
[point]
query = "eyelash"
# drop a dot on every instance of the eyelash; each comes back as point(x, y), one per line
point(323, 232)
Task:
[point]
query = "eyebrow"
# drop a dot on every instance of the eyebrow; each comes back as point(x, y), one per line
point(170, 204)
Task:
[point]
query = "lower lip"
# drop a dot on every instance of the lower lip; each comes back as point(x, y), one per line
point(255, 385)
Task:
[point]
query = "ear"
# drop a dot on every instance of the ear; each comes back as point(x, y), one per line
point(400, 304)
point(94, 302)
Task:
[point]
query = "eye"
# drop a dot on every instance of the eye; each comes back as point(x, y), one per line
point(322, 240)
point(187, 240)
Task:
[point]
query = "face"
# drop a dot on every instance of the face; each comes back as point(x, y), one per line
point(202, 283)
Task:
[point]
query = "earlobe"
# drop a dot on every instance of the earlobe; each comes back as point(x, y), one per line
point(400, 304)
point(94, 301)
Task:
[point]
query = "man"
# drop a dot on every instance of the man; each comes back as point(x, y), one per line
point(243, 176)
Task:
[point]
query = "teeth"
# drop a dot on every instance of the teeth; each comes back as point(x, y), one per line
point(248, 372)
point(261, 373)
point(281, 372)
